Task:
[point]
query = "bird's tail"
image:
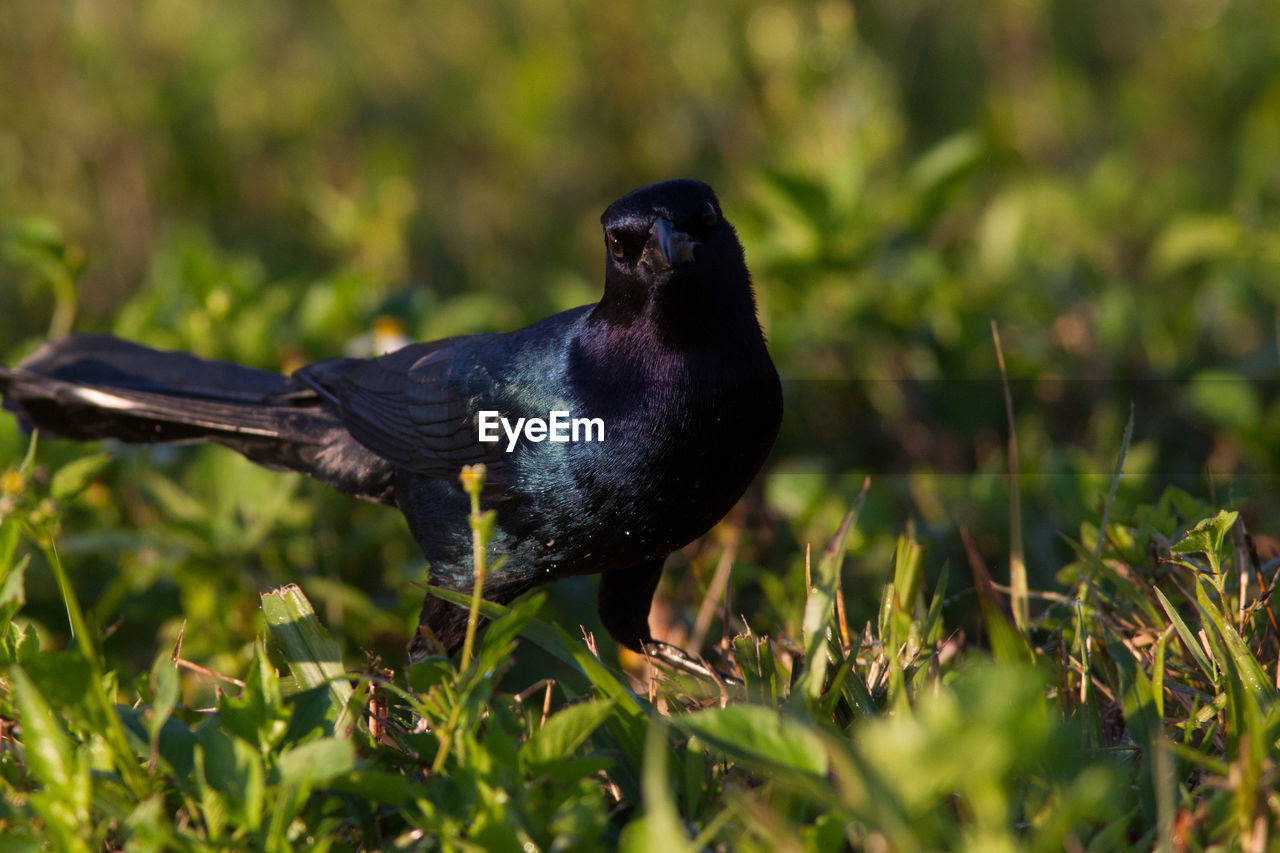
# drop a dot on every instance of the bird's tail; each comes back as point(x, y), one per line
point(87, 387)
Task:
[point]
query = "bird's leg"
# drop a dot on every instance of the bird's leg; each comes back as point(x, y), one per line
point(624, 602)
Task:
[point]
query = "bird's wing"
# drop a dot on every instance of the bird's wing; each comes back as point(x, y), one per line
point(413, 407)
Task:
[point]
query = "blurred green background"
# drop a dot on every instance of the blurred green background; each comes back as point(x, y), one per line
point(263, 182)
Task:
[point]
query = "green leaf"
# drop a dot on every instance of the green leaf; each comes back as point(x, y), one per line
point(564, 732)
point(1194, 238)
point(907, 576)
point(1243, 665)
point(566, 771)
point(1188, 639)
point(660, 827)
point(629, 722)
point(932, 630)
point(1139, 707)
point(64, 799)
point(819, 610)
point(48, 748)
point(1007, 643)
point(63, 678)
point(1206, 538)
point(233, 771)
point(500, 637)
point(317, 761)
point(307, 711)
point(257, 714)
point(379, 786)
point(29, 460)
point(18, 644)
point(72, 478)
point(424, 674)
point(1158, 673)
point(9, 529)
point(177, 745)
point(164, 681)
point(760, 736)
point(945, 160)
point(13, 591)
point(314, 658)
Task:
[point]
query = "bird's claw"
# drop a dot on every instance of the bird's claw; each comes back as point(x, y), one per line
point(680, 660)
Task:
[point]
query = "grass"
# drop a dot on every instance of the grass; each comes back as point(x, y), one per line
point(1136, 711)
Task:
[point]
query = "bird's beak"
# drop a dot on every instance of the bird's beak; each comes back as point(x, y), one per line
point(668, 246)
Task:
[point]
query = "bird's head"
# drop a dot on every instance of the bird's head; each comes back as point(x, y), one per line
point(669, 249)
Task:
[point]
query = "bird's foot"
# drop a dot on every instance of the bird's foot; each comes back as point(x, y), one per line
point(680, 660)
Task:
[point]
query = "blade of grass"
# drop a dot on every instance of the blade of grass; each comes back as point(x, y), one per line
point(1245, 666)
point(1115, 484)
point(103, 708)
point(1138, 706)
point(314, 657)
point(1188, 639)
point(1017, 558)
point(1007, 642)
point(819, 609)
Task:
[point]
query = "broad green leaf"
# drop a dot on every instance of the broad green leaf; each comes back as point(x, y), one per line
point(49, 752)
point(1206, 537)
point(564, 732)
point(233, 769)
point(164, 681)
point(64, 680)
point(760, 736)
point(177, 748)
point(307, 711)
point(566, 771)
point(379, 786)
point(316, 761)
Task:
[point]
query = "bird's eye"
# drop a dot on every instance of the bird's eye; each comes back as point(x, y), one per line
point(615, 246)
point(708, 214)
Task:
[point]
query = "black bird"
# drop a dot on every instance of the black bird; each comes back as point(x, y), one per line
point(671, 360)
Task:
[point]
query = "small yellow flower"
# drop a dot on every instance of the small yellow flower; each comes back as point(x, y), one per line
point(13, 482)
point(472, 477)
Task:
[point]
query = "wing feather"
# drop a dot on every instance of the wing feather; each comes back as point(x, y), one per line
point(414, 407)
